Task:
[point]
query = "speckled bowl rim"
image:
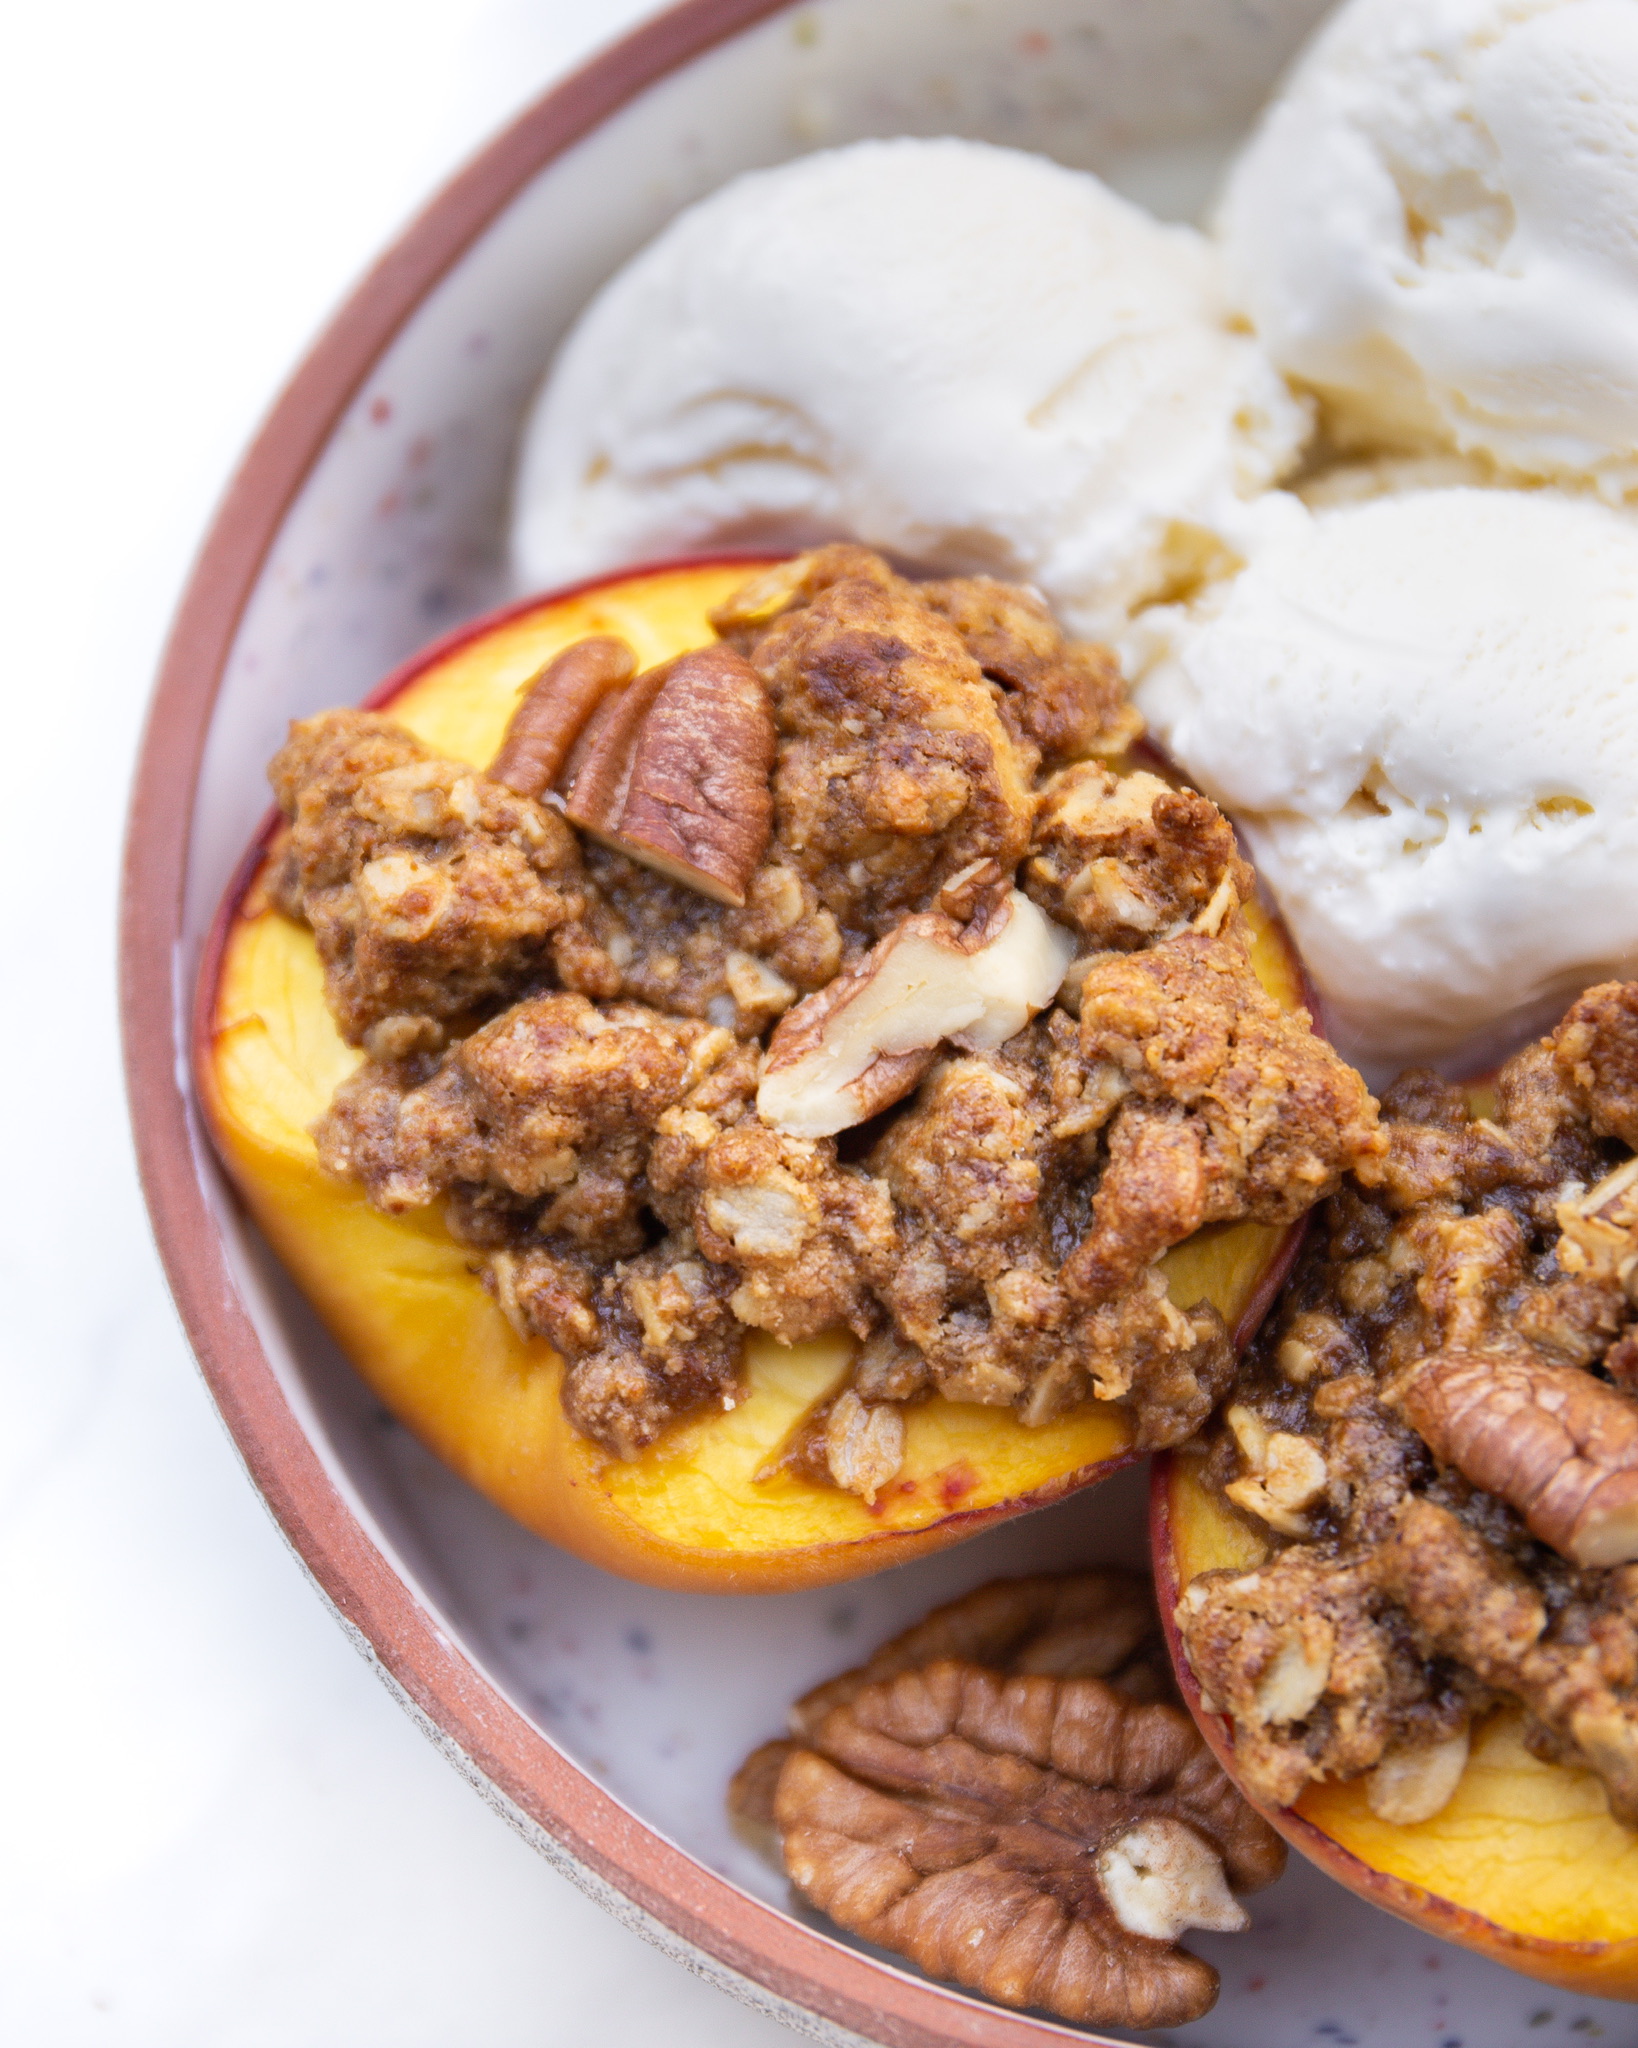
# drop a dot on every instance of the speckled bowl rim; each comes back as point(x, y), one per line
point(796, 1974)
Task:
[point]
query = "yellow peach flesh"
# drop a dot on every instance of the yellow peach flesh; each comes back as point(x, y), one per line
point(407, 1307)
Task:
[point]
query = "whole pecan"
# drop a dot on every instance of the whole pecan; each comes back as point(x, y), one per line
point(1092, 1624)
point(1039, 1837)
point(1042, 1840)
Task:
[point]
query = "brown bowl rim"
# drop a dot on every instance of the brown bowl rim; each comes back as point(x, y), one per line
point(791, 1970)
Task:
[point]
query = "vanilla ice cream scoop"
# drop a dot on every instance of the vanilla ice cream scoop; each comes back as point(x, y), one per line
point(1436, 225)
point(971, 357)
point(1423, 713)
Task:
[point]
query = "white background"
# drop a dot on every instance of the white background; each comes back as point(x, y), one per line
point(216, 1829)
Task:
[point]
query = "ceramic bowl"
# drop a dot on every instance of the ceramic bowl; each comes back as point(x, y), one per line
point(603, 1719)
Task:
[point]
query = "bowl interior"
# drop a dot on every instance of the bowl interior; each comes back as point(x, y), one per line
point(396, 537)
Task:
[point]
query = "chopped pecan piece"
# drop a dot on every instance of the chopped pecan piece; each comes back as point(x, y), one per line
point(1286, 1474)
point(865, 1042)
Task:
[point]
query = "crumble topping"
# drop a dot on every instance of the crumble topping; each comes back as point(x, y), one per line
point(1436, 1436)
point(429, 888)
point(566, 1046)
point(896, 770)
point(1126, 859)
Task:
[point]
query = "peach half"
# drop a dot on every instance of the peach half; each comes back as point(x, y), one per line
point(402, 1299)
point(1524, 1865)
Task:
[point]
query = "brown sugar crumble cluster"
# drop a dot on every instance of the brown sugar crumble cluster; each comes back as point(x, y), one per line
point(1437, 1436)
point(1007, 1795)
point(839, 975)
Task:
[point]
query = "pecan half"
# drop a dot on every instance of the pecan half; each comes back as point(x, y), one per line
point(553, 710)
point(1553, 1442)
point(676, 772)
